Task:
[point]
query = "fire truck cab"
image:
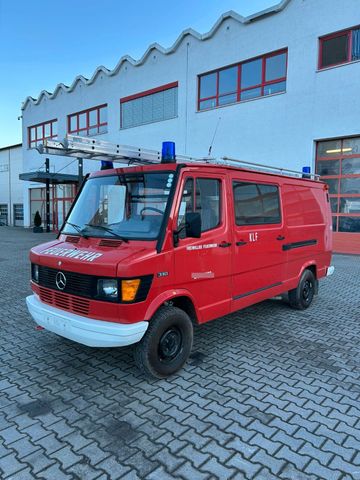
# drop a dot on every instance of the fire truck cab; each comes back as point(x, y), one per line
point(148, 251)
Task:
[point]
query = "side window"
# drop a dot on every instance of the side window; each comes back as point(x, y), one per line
point(207, 202)
point(256, 204)
point(186, 205)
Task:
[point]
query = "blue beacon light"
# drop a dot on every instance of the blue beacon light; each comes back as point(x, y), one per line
point(106, 165)
point(306, 172)
point(168, 152)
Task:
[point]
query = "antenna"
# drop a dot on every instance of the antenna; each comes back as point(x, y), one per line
point(212, 141)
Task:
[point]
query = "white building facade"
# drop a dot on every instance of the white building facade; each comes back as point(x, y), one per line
point(280, 87)
point(11, 187)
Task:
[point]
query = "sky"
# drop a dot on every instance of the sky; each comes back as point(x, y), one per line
point(44, 43)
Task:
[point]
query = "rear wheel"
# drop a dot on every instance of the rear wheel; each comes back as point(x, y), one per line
point(301, 297)
point(166, 344)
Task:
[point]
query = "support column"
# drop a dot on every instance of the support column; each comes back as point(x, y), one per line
point(47, 193)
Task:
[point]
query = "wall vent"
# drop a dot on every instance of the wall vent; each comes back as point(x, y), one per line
point(110, 243)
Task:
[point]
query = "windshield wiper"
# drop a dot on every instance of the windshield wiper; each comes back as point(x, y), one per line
point(78, 229)
point(106, 229)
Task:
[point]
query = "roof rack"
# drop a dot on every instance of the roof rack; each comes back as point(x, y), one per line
point(93, 149)
point(265, 168)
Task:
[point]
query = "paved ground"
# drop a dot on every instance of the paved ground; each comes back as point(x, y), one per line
point(268, 393)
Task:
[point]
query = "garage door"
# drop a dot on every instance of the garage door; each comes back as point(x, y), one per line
point(18, 214)
point(3, 214)
point(338, 164)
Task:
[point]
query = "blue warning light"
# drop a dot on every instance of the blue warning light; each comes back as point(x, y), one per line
point(306, 172)
point(106, 165)
point(168, 152)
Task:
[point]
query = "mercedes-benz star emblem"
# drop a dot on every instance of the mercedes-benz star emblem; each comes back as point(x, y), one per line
point(60, 280)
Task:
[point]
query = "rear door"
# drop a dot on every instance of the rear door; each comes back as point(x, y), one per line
point(259, 262)
point(202, 265)
point(308, 233)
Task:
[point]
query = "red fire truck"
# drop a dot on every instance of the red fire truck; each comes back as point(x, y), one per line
point(147, 251)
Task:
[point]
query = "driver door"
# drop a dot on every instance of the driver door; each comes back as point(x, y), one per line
point(202, 265)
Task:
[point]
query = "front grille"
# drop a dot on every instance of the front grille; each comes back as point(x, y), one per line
point(46, 296)
point(76, 283)
point(64, 301)
point(83, 287)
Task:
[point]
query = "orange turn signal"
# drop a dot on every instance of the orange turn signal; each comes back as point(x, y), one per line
point(129, 289)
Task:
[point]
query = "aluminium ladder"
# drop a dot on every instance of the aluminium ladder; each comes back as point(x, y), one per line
point(92, 149)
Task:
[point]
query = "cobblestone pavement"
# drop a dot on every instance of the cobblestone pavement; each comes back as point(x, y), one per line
point(268, 393)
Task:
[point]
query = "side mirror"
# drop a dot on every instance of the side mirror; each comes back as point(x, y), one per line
point(193, 224)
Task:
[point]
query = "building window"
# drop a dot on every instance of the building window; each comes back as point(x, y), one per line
point(88, 122)
point(38, 133)
point(340, 47)
point(338, 164)
point(256, 203)
point(254, 78)
point(151, 106)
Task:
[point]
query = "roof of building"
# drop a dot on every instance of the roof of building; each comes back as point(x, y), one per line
point(15, 145)
point(155, 46)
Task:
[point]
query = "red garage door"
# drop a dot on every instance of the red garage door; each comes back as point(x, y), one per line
point(338, 164)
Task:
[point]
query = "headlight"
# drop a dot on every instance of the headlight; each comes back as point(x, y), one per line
point(35, 273)
point(108, 288)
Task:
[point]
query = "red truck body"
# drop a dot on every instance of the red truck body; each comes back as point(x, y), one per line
point(243, 259)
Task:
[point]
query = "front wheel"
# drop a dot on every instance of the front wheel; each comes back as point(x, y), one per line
point(167, 343)
point(301, 297)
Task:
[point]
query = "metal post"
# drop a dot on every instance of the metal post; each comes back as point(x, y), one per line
point(80, 171)
point(47, 192)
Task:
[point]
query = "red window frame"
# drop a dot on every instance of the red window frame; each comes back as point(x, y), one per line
point(145, 93)
point(343, 155)
point(85, 130)
point(264, 83)
point(54, 203)
point(330, 36)
point(33, 143)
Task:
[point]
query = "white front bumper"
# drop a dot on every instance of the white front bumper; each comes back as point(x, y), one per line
point(90, 332)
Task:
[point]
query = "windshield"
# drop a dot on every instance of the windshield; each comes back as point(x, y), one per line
point(130, 206)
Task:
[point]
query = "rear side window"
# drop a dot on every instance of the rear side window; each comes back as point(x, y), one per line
point(256, 203)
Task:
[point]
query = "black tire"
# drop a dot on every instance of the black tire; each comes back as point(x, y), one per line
point(167, 343)
point(301, 297)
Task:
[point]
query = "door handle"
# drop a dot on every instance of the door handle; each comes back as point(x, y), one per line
point(280, 237)
point(240, 243)
point(224, 244)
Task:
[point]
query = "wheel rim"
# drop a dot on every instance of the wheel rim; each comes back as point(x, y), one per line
point(170, 344)
point(307, 291)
